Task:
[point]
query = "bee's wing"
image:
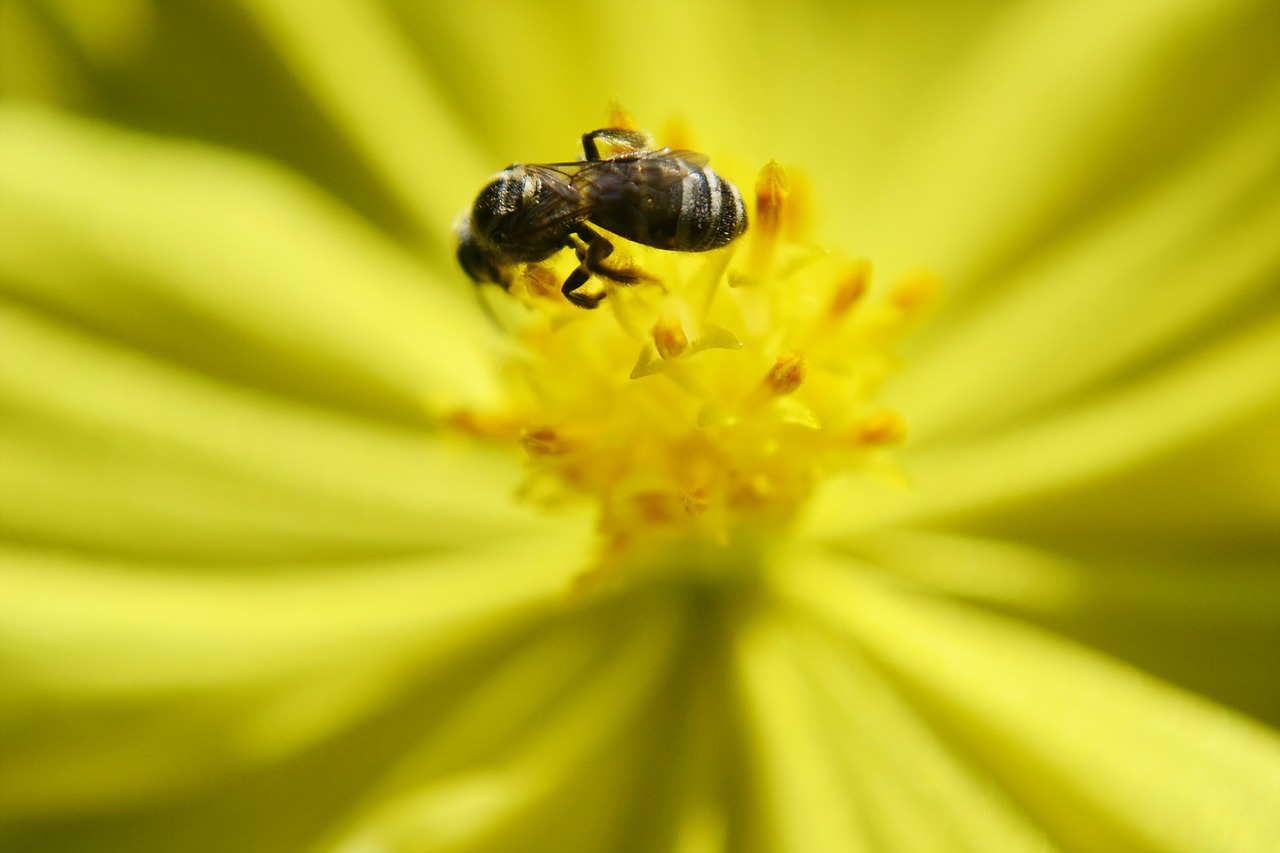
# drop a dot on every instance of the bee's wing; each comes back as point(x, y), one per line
point(695, 160)
point(565, 202)
point(556, 176)
point(652, 169)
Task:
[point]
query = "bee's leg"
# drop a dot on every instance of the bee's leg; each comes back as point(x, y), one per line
point(576, 279)
point(593, 249)
point(618, 139)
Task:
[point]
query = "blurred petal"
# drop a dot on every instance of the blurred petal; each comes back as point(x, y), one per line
point(804, 784)
point(1100, 754)
point(898, 765)
point(1061, 104)
point(127, 681)
point(1204, 393)
point(532, 759)
point(1142, 279)
point(227, 264)
point(1011, 575)
point(1196, 614)
point(1217, 496)
point(378, 95)
point(30, 62)
point(109, 450)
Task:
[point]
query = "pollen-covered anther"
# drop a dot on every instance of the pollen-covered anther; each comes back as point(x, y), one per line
point(772, 189)
point(787, 374)
point(539, 282)
point(669, 337)
point(884, 427)
point(543, 441)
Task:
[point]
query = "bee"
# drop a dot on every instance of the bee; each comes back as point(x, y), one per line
point(664, 198)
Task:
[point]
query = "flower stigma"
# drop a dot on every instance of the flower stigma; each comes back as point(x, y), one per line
point(701, 405)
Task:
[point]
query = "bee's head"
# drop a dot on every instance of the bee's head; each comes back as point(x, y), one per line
point(475, 261)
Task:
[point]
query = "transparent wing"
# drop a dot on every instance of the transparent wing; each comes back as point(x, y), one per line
point(561, 201)
point(647, 169)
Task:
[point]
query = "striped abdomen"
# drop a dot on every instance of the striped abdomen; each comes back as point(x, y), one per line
point(667, 203)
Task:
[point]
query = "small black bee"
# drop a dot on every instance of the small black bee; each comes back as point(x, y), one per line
point(664, 198)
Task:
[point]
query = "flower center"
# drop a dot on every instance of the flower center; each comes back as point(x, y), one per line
point(708, 400)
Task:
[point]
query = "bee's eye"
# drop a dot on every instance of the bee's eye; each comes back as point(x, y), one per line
point(473, 260)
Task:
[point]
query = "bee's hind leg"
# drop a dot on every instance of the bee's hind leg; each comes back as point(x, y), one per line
point(618, 140)
point(593, 249)
point(576, 279)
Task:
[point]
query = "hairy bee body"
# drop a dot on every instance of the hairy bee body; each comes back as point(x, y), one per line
point(666, 202)
point(521, 213)
point(663, 198)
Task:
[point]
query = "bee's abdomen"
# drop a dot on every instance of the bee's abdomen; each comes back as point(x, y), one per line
point(711, 213)
point(697, 212)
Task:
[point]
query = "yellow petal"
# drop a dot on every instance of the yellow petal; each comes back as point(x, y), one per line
point(898, 764)
point(32, 62)
point(227, 264)
point(107, 449)
point(1046, 115)
point(379, 97)
point(1086, 581)
point(807, 800)
point(537, 755)
point(132, 680)
point(1101, 755)
point(1217, 496)
point(1135, 283)
point(1204, 393)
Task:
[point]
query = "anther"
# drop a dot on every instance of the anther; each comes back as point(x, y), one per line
point(772, 190)
point(669, 337)
point(850, 288)
point(884, 427)
point(542, 441)
point(787, 374)
point(540, 282)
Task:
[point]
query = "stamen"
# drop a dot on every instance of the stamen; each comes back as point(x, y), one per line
point(851, 287)
point(787, 373)
point(885, 427)
point(669, 337)
point(543, 441)
point(772, 190)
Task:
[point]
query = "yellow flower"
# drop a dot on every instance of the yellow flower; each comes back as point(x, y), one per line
point(278, 575)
